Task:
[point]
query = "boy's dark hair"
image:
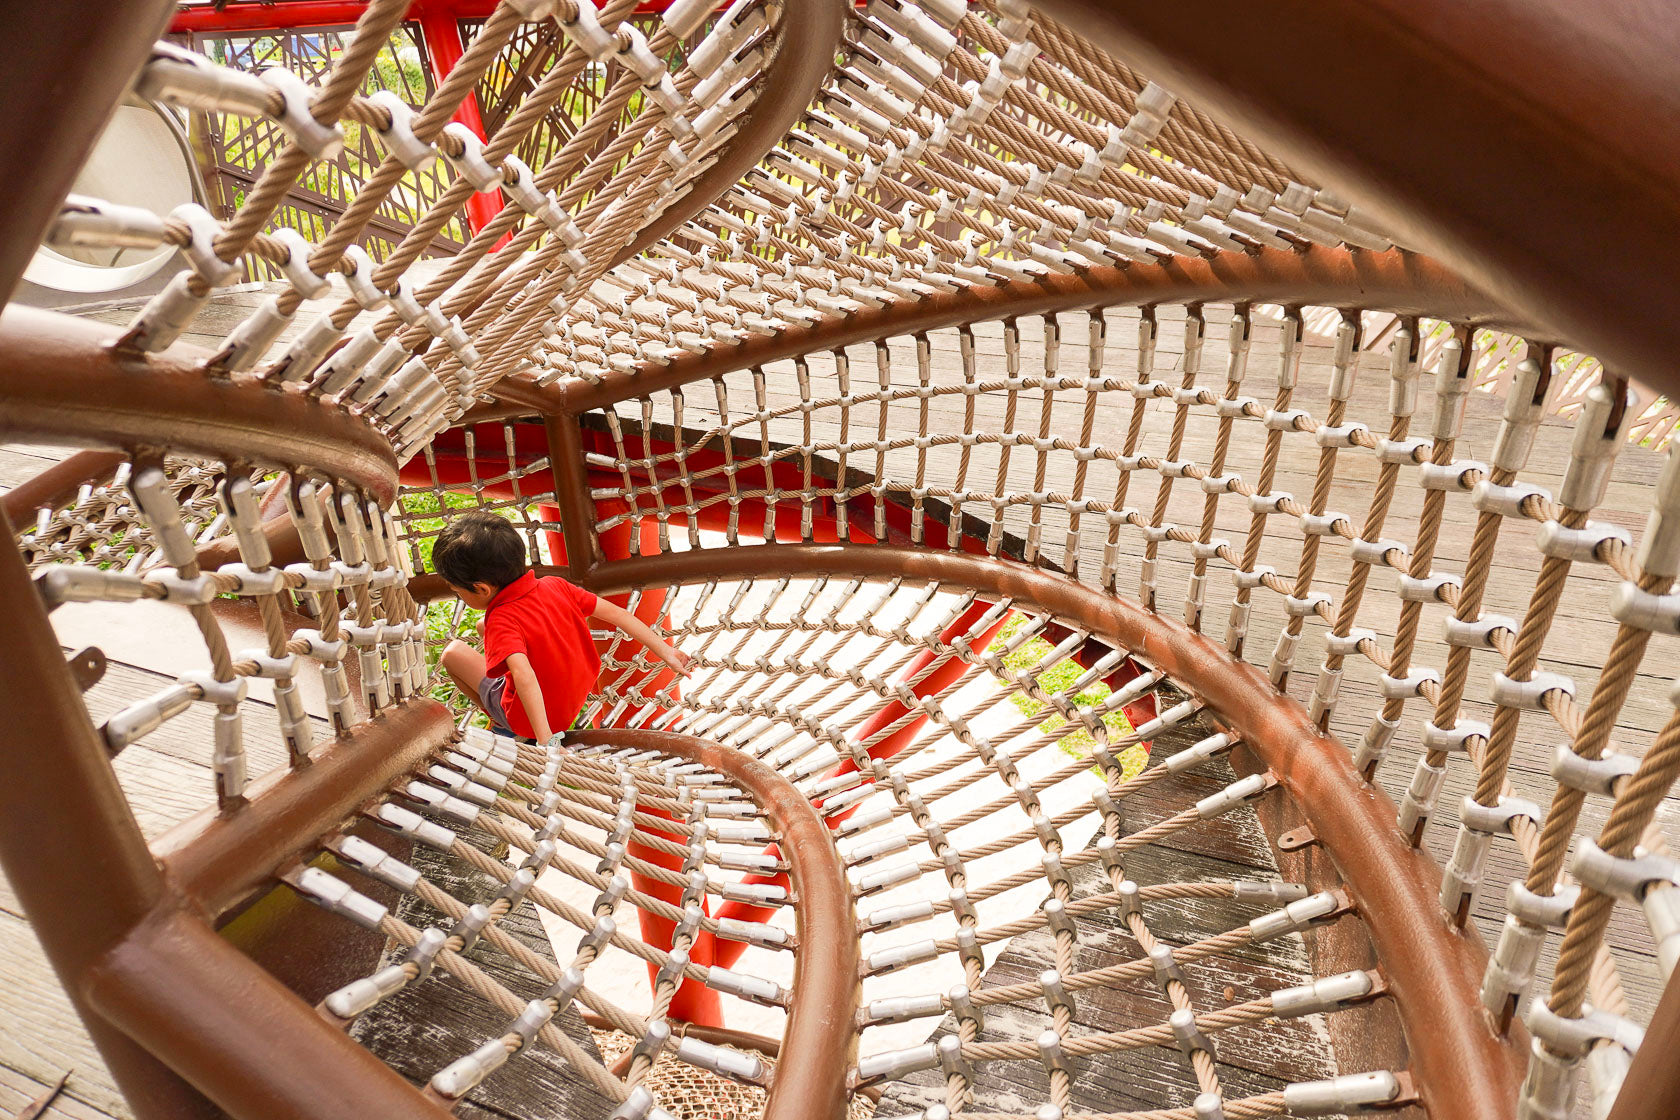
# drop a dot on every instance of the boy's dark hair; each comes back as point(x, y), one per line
point(479, 547)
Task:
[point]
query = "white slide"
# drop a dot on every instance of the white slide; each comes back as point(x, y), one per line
point(141, 159)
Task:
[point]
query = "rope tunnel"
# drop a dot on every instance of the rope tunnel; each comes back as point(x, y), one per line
point(1182, 624)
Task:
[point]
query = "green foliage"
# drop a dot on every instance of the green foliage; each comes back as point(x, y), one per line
point(445, 618)
point(429, 517)
point(400, 71)
point(1056, 679)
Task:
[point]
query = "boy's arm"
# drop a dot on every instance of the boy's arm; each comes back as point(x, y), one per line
point(530, 694)
point(615, 615)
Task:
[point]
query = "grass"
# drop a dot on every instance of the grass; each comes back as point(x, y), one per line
point(445, 618)
point(1078, 742)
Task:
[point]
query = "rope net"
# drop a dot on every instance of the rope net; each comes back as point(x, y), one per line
point(1014, 586)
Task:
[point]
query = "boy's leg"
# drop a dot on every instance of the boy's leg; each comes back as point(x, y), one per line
point(465, 666)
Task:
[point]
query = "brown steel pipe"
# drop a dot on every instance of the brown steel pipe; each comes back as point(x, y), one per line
point(252, 1046)
point(150, 978)
point(1651, 1089)
point(1534, 145)
point(1462, 1069)
point(819, 1046)
point(69, 844)
point(802, 56)
point(63, 381)
point(1397, 281)
point(57, 484)
point(571, 493)
point(66, 67)
point(217, 859)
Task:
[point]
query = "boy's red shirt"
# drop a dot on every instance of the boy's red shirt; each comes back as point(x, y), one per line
point(548, 621)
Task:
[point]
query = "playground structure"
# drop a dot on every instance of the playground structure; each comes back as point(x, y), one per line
point(925, 371)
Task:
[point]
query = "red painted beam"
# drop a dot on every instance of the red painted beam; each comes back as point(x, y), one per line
point(287, 15)
point(440, 28)
point(205, 20)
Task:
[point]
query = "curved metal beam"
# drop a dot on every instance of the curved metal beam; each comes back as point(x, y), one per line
point(1532, 144)
point(63, 381)
point(806, 44)
point(1392, 281)
point(58, 484)
point(251, 1045)
point(1461, 1068)
point(217, 858)
point(69, 843)
point(819, 1046)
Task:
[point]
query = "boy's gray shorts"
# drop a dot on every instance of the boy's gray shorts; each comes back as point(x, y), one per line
point(490, 690)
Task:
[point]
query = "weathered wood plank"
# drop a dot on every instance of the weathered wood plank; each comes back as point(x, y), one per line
point(43, 1036)
point(425, 1027)
point(1250, 1060)
point(18, 1090)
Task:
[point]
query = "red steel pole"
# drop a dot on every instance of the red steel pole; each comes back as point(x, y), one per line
point(440, 31)
point(440, 28)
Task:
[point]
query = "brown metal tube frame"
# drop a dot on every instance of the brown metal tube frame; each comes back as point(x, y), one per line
point(148, 975)
point(1397, 281)
point(571, 492)
point(1652, 1085)
point(57, 484)
point(66, 66)
point(1461, 1068)
point(802, 57)
point(63, 381)
point(237, 1033)
point(1451, 121)
point(819, 1045)
point(216, 859)
point(64, 820)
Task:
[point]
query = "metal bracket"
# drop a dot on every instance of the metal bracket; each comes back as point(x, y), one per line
point(1296, 838)
point(87, 666)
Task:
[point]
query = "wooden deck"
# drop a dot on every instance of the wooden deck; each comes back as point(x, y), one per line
point(1251, 1060)
point(168, 777)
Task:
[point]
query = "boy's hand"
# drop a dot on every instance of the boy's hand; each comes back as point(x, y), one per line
point(680, 662)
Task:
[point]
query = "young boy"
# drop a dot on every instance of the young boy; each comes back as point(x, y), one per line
point(536, 631)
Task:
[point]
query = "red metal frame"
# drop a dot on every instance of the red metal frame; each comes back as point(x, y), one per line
point(440, 30)
point(293, 14)
point(440, 27)
point(262, 15)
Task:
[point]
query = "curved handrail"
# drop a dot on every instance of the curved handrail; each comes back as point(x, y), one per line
point(1462, 1068)
point(803, 57)
point(1395, 280)
point(1530, 145)
point(810, 1080)
point(64, 381)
